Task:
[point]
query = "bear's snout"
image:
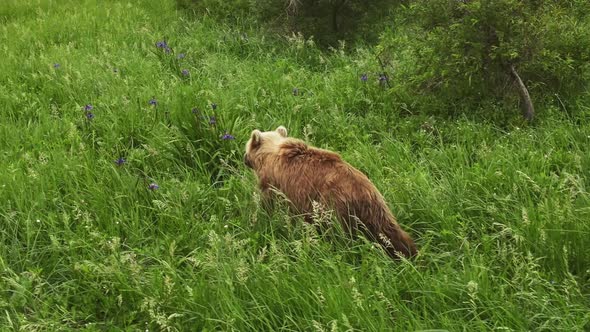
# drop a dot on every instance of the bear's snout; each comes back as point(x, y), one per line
point(247, 161)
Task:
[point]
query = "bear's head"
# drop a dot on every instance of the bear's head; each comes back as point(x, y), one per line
point(262, 144)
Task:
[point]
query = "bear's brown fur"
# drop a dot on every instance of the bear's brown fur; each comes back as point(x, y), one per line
point(305, 174)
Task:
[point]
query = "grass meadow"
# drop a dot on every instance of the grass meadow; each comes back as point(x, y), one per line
point(125, 206)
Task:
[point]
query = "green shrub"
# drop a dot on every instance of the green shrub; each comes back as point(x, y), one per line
point(461, 52)
point(327, 21)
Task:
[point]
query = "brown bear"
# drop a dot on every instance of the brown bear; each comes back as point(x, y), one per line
point(305, 174)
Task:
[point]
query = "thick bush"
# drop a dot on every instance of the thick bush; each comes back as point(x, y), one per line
point(326, 21)
point(464, 52)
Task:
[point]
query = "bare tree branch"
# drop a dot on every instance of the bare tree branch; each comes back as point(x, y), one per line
point(527, 103)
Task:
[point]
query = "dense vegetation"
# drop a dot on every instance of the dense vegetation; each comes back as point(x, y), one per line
point(124, 204)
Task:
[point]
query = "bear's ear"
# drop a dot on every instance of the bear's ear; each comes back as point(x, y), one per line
point(282, 131)
point(255, 138)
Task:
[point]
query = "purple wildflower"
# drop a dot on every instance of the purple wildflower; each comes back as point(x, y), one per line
point(89, 115)
point(153, 102)
point(227, 136)
point(195, 110)
point(88, 107)
point(56, 65)
point(120, 161)
point(295, 92)
point(164, 45)
point(181, 56)
point(153, 186)
point(213, 106)
point(185, 72)
point(382, 78)
point(364, 77)
point(212, 120)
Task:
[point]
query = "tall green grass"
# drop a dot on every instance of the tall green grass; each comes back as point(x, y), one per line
point(500, 212)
